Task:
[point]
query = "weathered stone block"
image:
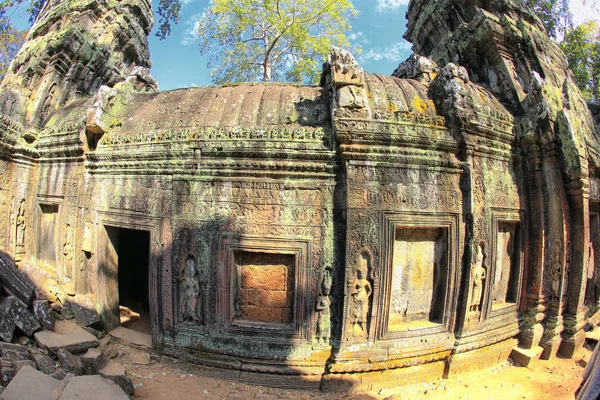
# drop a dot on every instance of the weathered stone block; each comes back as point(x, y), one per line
point(7, 325)
point(70, 362)
point(66, 335)
point(81, 387)
point(267, 314)
point(84, 310)
point(93, 360)
point(264, 277)
point(13, 281)
point(41, 309)
point(32, 384)
point(116, 373)
point(22, 317)
point(18, 364)
point(44, 363)
point(7, 372)
point(14, 351)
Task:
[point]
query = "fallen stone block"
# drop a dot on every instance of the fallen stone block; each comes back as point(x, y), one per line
point(84, 310)
point(32, 384)
point(70, 362)
point(17, 365)
point(22, 317)
point(41, 309)
point(7, 372)
point(13, 281)
point(7, 326)
point(94, 386)
point(66, 335)
point(59, 374)
point(523, 357)
point(14, 352)
point(116, 373)
point(93, 360)
point(44, 363)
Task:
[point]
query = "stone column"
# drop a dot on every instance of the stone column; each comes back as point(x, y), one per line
point(535, 300)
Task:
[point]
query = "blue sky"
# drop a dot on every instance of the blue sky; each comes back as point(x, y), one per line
point(177, 63)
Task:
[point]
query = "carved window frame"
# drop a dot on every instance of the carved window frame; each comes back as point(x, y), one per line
point(392, 221)
point(53, 201)
point(505, 216)
point(300, 248)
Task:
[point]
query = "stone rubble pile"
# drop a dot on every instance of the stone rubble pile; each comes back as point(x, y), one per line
point(46, 340)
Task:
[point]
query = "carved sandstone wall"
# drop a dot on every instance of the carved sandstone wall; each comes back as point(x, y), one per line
point(396, 227)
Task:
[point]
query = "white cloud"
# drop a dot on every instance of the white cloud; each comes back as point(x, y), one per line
point(190, 34)
point(394, 52)
point(186, 2)
point(389, 5)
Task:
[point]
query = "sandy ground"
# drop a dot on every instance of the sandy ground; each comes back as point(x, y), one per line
point(554, 379)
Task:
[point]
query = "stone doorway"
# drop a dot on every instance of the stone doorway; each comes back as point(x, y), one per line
point(130, 250)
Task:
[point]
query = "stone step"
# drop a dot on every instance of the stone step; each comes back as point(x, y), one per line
point(68, 335)
point(523, 357)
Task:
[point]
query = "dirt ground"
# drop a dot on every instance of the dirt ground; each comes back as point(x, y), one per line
point(554, 379)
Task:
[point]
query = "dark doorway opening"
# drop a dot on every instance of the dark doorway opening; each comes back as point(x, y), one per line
point(133, 255)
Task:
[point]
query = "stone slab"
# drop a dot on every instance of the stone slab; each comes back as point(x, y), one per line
point(92, 386)
point(131, 336)
point(68, 335)
point(13, 281)
point(84, 310)
point(523, 357)
point(116, 373)
point(22, 317)
point(32, 384)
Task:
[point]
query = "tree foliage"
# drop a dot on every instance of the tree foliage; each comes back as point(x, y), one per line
point(582, 48)
point(554, 14)
point(11, 40)
point(249, 40)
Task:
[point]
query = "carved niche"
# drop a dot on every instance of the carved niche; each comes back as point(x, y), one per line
point(506, 269)
point(419, 273)
point(264, 288)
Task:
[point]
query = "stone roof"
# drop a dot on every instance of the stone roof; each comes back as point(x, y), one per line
point(239, 106)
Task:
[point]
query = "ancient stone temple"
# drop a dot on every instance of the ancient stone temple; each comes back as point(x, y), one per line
point(373, 228)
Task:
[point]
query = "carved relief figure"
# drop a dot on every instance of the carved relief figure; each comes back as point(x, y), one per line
point(556, 269)
point(360, 292)
point(478, 272)
point(323, 308)
point(20, 237)
point(189, 289)
point(67, 247)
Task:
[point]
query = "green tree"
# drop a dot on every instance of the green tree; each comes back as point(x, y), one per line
point(11, 40)
point(554, 14)
point(249, 40)
point(582, 48)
